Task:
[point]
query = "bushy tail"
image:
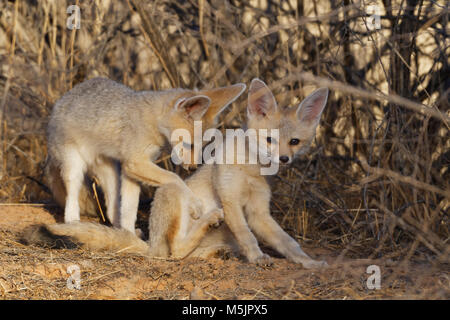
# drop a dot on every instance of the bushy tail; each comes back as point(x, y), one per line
point(92, 236)
point(55, 183)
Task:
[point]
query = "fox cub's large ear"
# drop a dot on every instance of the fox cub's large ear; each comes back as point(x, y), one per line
point(261, 101)
point(195, 107)
point(221, 98)
point(312, 107)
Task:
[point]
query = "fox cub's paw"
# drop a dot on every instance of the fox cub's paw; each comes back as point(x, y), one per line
point(315, 264)
point(215, 217)
point(195, 208)
point(195, 214)
point(262, 260)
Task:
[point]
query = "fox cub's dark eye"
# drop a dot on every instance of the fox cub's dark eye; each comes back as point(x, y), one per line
point(269, 140)
point(294, 142)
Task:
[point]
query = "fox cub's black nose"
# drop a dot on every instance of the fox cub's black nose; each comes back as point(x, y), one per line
point(284, 159)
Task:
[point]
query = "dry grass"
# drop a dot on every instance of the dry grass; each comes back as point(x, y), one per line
point(36, 273)
point(376, 183)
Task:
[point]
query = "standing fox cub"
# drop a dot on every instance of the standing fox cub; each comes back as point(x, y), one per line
point(115, 134)
point(237, 193)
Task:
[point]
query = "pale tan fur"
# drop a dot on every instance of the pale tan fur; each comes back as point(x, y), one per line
point(242, 192)
point(239, 189)
point(174, 233)
point(107, 130)
point(87, 234)
point(245, 195)
point(86, 200)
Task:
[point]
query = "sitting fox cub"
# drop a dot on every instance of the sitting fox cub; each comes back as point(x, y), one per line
point(237, 189)
point(114, 133)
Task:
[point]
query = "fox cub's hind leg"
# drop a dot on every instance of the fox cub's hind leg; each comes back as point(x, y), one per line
point(73, 169)
point(107, 172)
point(55, 182)
point(185, 234)
point(216, 241)
point(129, 202)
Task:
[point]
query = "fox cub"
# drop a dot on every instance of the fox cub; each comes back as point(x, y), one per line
point(237, 193)
point(114, 133)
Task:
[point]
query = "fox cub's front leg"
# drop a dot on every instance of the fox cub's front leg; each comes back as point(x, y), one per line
point(140, 168)
point(268, 230)
point(235, 220)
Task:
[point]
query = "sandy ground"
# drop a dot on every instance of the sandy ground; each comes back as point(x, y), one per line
point(37, 273)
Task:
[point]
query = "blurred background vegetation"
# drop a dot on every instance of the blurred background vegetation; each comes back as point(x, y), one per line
point(377, 179)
